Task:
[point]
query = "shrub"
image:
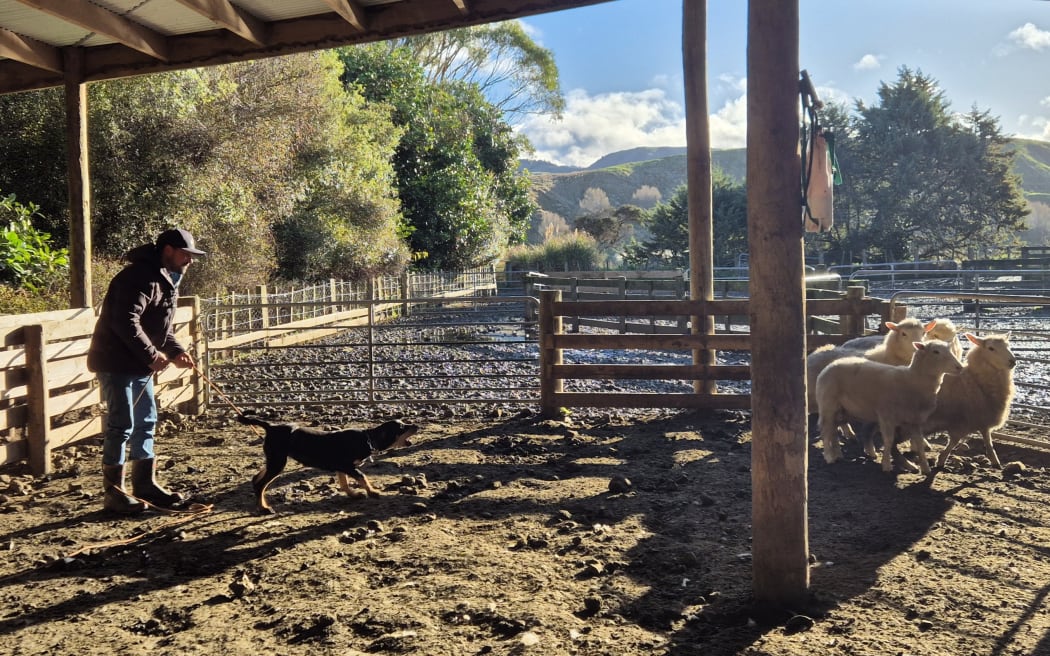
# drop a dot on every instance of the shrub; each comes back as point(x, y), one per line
point(27, 259)
point(573, 252)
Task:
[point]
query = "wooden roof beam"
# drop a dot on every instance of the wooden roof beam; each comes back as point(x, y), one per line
point(102, 21)
point(351, 12)
point(30, 51)
point(232, 18)
point(461, 5)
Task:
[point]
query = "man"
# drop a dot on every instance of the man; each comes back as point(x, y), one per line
point(133, 340)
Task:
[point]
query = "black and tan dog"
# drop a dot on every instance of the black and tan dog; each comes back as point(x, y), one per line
point(341, 451)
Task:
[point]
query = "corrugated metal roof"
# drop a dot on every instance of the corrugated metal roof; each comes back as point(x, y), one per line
point(115, 38)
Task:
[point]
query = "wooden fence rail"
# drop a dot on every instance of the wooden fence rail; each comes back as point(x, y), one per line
point(554, 341)
point(50, 399)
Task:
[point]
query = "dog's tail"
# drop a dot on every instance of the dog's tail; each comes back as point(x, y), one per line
point(252, 420)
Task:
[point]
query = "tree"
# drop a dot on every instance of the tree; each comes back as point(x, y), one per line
point(646, 196)
point(501, 60)
point(668, 224)
point(928, 183)
point(32, 156)
point(461, 194)
point(269, 163)
point(595, 200)
point(612, 227)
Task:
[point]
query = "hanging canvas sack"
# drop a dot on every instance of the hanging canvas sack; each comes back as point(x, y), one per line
point(818, 211)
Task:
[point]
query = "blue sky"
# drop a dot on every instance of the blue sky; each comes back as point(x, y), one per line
point(621, 65)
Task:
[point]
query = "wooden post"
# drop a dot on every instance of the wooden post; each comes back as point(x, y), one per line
point(406, 292)
point(679, 294)
point(38, 401)
point(852, 324)
point(621, 293)
point(574, 294)
point(698, 171)
point(78, 177)
point(779, 454)
point(549, 325)
point(198, 403)
point(261, 292)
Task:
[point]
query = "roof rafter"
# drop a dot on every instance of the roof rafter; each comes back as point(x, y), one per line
point(387, 20)
point(232, 18)
point(351, 11)
point(29, 51)
point(102, 21)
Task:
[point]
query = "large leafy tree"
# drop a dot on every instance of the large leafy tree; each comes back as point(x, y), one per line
point(926, 183)
point(462, 198)
point(513, 72)
point(668, 244)
point(269, 162)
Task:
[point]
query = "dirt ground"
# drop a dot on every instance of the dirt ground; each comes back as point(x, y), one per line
point(603, 534)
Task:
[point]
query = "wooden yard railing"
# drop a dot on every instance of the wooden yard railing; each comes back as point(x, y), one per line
point(50, 399)
point(554, 341)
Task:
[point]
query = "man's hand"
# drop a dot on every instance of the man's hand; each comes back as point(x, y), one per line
point(183, 361)
point(160, 363)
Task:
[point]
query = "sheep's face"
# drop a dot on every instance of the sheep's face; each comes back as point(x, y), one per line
point(937, 356)
point(942, 329)
point(996, 350)
point(909, 330)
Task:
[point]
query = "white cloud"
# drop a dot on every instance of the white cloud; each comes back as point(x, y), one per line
point(868, 62)
point(594, 126)
point(1034, 127)
point(1045, 102)
point(729, 125)
point(1030, 36)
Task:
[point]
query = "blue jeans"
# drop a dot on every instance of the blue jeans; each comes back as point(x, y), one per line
point(131, 415)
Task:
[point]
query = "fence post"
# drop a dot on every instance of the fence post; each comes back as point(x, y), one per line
point(621, 293)
point(260, 291)
point(196, 404)
point(574, 294)
point(679, 292)
point(549, 326)
point(852, 324)
point(37, 401)
point(406, 291)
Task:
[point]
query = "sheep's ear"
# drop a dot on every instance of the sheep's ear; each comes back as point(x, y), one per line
point(1008, 334)
point(891, 325)
point(929, 326)
point(974, 339)
point(919, 346)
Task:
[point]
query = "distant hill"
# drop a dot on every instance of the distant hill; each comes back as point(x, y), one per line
point(623, 173)
point(561, 192)
point(636, 155)
point(1032, 163)
point(540, 166)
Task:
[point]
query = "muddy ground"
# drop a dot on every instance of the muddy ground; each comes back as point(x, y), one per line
point(604, 534)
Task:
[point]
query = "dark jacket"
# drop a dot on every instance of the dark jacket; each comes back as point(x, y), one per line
point(137, 317)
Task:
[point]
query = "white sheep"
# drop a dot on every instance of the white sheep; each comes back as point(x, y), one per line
point(897, 397)
point(944, 330)
point(893, 348)
point(977, 400)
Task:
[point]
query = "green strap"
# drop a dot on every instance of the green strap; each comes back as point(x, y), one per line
point(836, 173)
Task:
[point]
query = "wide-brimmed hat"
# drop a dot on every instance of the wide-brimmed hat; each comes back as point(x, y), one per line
point(178, 238)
